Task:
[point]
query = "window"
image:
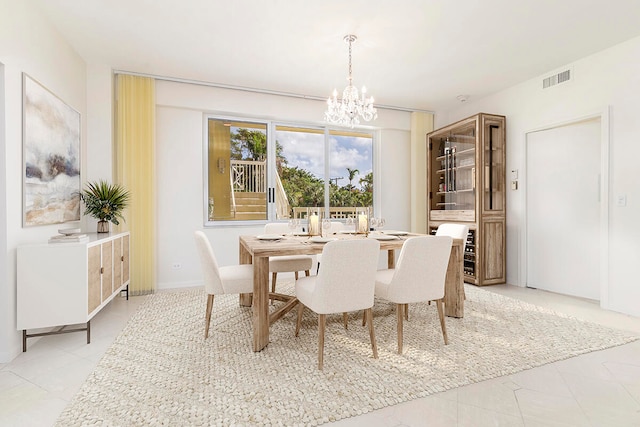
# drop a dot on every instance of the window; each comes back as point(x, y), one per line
point(237, 170)
point(261, 171)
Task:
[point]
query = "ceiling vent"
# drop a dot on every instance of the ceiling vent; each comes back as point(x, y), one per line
point(556, 79)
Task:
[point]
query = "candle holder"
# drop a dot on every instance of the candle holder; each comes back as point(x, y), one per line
point(313, 218)
point(362, 221)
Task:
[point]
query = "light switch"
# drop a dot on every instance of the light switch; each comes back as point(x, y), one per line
point(514, 185)
point(621, 200)
point(514, 175)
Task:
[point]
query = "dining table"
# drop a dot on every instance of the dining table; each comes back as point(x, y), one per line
point(256, 250)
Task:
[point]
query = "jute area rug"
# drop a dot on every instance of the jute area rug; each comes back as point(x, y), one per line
point(160, 370)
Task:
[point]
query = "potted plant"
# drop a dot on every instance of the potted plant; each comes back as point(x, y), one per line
point(105, 202)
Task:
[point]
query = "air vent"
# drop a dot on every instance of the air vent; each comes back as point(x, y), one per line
point(556, 79)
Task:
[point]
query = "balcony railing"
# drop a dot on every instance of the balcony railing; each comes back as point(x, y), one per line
point(248, 176)
point(334, 212)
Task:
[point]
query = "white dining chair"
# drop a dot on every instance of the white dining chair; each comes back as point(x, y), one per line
point(336, 227)
point(345, 283)
point(419, 276)
point(232, 279)
point(457, 231)
point(286, 263)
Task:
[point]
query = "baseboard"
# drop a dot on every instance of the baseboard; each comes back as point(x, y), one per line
point(178, 285)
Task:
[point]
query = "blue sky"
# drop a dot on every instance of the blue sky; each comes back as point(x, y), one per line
point(306, 151)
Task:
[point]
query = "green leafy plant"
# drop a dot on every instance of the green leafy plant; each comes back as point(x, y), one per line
point(105, 201)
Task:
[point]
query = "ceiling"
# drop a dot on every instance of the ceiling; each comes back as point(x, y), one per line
point(414, 54)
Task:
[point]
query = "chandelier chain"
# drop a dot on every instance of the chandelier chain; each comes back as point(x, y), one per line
point(350, 72)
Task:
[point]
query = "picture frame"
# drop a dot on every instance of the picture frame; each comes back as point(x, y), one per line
point(51, 157)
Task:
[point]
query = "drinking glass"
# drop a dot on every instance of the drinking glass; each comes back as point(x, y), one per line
point(373, 222)
point(293, 225)
point(350, 223)
point(381, 223)
point(326, 225)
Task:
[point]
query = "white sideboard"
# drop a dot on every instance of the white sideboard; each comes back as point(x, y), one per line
point(61, 284)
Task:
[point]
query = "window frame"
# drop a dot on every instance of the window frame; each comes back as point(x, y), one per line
point(271, 126)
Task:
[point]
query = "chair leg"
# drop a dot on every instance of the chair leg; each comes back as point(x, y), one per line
point(322, 318)
point(364, 318)
point(274, 277)
point(372, 335)
point(296, 273)
point(208, 315)
point(299, 319)
point(345, 319)
point(440, 305)
point(317, 269)
point(400, 314)
point(406, 312)
point(307, 273)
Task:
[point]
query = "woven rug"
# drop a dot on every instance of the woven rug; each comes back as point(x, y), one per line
point(160, 370)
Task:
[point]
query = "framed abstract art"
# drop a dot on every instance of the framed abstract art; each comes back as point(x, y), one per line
point(51, 156)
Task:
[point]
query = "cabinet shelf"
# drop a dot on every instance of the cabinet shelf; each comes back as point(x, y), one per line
point(459, 153)
point(463, 167)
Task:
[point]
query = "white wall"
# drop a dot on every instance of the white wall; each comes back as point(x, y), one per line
point(28, 43)
point(180, 138)
point(608, 79)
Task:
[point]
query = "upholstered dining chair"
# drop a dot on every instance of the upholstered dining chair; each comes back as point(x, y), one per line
point(286, 263)
point(232, 279)
point(336, 227)
point(345, 283)
point(457, 231)
point(419, 276)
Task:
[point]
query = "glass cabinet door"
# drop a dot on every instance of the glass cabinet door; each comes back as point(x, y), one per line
point(453, 169)
point(494, 168)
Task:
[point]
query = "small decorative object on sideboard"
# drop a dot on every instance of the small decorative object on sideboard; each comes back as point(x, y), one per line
point(69, 235)
point(105, 202)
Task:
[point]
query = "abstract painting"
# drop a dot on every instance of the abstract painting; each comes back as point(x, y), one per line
point(51, 155)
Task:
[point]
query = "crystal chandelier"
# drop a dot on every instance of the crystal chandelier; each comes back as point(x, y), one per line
point(348, 110)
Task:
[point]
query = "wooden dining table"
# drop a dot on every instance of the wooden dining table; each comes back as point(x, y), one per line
point(257, 252)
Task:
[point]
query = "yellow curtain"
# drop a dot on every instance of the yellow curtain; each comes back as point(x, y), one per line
point(135, 170)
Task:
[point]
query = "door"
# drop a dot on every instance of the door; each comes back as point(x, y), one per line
point(563, 209)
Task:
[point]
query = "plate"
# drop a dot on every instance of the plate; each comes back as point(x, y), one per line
point(346, 232)
point(395, 232)
point(69, 231)
point(319, 239)
point(382, 237)
point(269, 237)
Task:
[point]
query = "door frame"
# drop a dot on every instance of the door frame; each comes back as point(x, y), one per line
point(603, 115)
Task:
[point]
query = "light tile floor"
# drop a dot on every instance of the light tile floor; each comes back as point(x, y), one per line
point(596, 389)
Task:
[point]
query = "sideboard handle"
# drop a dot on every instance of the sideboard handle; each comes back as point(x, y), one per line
point(101, 270)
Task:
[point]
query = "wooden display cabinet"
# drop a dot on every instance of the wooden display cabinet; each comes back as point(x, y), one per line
point(466, 181)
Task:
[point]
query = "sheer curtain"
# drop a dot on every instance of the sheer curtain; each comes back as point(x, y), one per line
point(135, 169)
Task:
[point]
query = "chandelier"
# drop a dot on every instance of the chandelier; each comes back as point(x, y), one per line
point(348, 110)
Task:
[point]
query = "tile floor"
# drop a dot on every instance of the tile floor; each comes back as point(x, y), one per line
point(597, 389)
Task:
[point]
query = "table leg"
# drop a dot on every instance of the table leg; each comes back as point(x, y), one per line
point(391, 258)
point(245, 258)
point(260, 303)
point(454, 284)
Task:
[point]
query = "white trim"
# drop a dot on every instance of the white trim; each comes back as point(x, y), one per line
point(605, 204)
point(257, 90)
